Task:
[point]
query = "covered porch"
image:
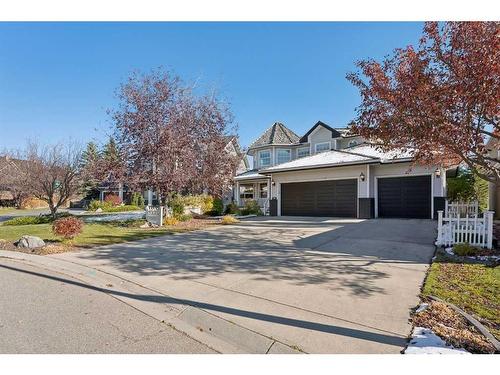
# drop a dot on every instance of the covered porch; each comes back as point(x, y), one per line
point(253, 186)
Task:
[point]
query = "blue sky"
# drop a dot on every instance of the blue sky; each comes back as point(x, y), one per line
point(58, 79)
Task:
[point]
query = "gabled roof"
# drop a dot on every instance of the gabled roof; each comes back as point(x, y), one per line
point(249, 175)
point(277, 134)
point(335, 133)
point(362, 154)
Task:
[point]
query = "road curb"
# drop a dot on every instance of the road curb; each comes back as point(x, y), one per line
point(219, 334)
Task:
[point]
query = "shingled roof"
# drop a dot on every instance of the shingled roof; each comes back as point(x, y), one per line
point(277, 134)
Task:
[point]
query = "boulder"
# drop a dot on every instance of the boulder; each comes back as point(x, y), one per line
point(99, 210)
point(30, 242)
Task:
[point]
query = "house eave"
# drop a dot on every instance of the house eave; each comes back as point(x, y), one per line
point(319, 166)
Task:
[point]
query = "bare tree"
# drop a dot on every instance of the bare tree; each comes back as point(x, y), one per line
point(12, 178)
point(52, 173)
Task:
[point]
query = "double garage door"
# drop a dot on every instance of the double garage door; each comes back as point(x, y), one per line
point(398, 197)
point(321, 198)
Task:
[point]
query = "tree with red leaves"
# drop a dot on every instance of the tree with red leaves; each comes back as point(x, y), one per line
point(172, 140)
point(441, 100)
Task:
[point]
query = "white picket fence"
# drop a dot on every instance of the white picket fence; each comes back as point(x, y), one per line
point(154, 215)
point(464, 209)
point(477, 231)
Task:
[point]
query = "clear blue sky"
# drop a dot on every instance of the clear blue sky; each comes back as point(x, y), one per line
point(58, 79)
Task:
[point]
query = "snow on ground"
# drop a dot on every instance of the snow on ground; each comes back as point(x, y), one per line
point(449, 251)
point(115, 217)
point(424, 341)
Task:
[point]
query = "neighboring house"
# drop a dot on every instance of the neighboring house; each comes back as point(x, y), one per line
point(331, 172)
point(151, 197)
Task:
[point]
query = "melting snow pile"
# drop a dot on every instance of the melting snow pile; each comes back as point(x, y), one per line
point(424, 341)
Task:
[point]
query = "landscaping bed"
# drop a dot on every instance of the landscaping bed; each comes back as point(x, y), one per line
point(473, 285)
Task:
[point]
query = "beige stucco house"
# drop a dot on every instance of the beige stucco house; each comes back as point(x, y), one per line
point(331, 172)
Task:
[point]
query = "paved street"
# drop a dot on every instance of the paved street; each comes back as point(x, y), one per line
point(46, 312)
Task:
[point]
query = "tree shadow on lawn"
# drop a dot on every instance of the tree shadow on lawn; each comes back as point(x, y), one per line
point(237, 250)
point(382, 336)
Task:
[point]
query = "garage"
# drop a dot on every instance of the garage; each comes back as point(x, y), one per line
point(337, 198)
point(404, 197)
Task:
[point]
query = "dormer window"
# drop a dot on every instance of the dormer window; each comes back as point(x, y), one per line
point(303, 152)
point(353, 143)
point(322, 147)
point(265, 158)
point(283, 156)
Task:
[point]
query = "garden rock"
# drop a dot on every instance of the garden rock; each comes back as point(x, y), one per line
point(30, 242)
point(99, 210)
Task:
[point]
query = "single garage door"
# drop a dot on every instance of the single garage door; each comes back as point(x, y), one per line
point(322, 198)
point(405, 197)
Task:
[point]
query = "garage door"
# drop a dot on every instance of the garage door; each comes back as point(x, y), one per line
point(405, 197)
point(323, 198)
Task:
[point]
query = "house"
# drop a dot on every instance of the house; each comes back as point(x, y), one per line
point(332, 172)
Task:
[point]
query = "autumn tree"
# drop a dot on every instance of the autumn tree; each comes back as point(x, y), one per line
point(440, 99)
point(172, 140)
point(52, 173)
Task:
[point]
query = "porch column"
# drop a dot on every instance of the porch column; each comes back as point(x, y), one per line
point(101, 195)
point(237, 193)
point(150, 197)
point(120, 191)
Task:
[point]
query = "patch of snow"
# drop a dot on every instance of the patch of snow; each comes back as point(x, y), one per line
point(424, 341)
point(115, 217)
point(449, 251)
point(422, 307)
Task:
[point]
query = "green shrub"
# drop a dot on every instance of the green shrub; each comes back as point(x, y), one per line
point(465, 249)
point(122, 208)
point(218, 206)
point(34, 220)
point(231, 209)
point(467, 187)
point(95, 204)
point(184, 217)
point(177, 206)
point(251, 208)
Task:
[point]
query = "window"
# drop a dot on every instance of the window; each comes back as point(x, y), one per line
point(246, 191)
point(302, 152)
point(322, 147)
point(263, 190)
point(353, 143)
point(265, 158)
point(283, 156)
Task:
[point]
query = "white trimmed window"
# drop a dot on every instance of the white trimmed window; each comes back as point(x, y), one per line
point(322, 147)
point(246, 191)
point(265, 158)
point(303, 152)
point(353, 143)
point(283, 155)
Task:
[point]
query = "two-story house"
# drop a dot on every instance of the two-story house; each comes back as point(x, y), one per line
point(331, 172)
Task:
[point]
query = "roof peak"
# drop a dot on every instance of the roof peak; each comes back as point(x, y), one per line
point(277, 133)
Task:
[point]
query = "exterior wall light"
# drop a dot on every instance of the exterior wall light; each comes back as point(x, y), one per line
point(362, 176)
point(437, 173)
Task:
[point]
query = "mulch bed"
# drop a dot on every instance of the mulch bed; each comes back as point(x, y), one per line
point(49, 248)
point(452, 328)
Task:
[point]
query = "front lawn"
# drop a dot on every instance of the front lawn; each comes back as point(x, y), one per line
point(475, 288)
point(93, 234)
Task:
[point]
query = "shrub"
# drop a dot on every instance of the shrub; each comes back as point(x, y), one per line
point(228, 219)
point(465, 249)
point(184, 217)
point(122, 208)
point(95, 204)
point(170, 221)
point(67, 227)
point(34, 220)
point(251, 208)
point(137, 200)
point(207, 203)
point(231, 209)
point(218, 206)
point(177, 206)
point(113, 199)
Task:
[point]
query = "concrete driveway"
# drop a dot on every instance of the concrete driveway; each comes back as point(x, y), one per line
point(284, 284)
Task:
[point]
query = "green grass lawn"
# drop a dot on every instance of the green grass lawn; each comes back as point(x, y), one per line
point(92, 235)
point(474, 288)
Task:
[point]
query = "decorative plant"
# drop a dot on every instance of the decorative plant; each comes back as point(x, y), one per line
point(67, 227)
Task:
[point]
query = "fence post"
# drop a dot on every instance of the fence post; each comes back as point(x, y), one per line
point(489, 218)
point(161, 216)
point(440, 228)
